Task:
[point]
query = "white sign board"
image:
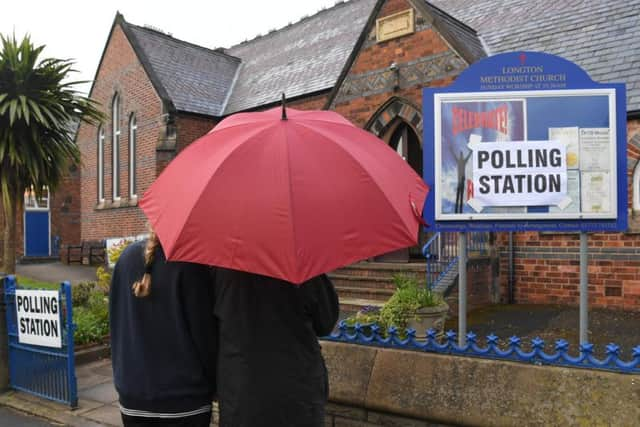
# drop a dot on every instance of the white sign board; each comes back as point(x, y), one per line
point(518, 173)
point(113, 242)
point(38, 315)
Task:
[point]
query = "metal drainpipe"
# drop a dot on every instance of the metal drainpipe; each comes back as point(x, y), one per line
point(511, 268)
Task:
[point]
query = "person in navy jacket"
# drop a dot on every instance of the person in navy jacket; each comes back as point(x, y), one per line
point(163, 338)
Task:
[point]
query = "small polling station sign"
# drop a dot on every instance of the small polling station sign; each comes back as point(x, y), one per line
point(38, 317)
point(526, 141)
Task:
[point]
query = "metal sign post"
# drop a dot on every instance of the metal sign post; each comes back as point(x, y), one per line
point(584, 289)
point(462, 288)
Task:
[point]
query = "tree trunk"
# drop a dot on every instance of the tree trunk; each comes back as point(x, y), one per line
point(9, 250)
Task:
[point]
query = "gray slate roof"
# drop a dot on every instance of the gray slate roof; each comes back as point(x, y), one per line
point(299, 59)
point(464, 39)
point(602, 36)
point(196, 79)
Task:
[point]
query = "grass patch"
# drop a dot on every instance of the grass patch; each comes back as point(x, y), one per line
point(28, 283)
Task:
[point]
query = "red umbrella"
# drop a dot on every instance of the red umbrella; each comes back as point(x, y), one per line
point(289, 198)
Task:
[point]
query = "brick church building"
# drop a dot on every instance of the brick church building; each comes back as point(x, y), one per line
point(367, 60)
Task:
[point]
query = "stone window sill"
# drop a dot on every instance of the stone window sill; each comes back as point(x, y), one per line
point(116, 204)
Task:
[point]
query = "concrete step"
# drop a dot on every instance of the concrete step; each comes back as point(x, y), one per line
point(446, 282)
point(381, 295)
point(371, 283)
point(348, 280)
point(382, 270)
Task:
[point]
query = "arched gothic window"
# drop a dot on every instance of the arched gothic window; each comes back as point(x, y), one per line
point(115, 152)
point(100, 160)
point(133, 133)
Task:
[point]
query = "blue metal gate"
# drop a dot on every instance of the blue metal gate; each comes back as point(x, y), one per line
point(42, 371)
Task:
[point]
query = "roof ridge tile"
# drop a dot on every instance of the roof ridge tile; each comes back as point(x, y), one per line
point(215, 51)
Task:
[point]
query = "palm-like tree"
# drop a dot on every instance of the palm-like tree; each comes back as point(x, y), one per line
point(37, 108)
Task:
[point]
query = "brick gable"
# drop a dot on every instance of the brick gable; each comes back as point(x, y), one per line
point(423, 58)
point(120, 72)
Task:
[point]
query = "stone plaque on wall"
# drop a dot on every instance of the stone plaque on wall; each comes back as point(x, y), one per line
point(396, 25)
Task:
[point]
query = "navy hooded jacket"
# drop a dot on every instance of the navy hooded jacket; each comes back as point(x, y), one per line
point(163, 346)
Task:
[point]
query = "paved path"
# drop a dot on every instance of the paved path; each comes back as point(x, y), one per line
point(97, 400)
point(10, 417)
point(58, 272)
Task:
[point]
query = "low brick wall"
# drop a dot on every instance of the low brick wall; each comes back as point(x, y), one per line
point(381, 387)
point(481, 289)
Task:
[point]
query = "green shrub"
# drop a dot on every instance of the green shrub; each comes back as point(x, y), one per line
point(366, 317)
point(104, 274)
point(408, 297)
point(80, 293)
point(104, 278)
point(399, 309)
point(92, 318)
point(116, 250)
point(363, 317)
point(91, 302)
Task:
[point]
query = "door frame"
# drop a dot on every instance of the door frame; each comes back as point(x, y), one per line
point(37, 208)
point(383, 123)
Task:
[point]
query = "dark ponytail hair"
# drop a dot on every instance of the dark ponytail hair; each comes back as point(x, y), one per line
point(142, 288)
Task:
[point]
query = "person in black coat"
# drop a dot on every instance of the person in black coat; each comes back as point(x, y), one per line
point(270, 367)
point(163, 338)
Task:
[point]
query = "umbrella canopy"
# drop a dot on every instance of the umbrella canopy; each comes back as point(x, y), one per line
point(287, 197)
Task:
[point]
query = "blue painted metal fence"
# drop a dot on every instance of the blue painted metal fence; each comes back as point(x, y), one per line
point(513, 352)
point(42, 371)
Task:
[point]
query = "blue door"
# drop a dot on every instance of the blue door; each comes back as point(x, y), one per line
point(36, 233)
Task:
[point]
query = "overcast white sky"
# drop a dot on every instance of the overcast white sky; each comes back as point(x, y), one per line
point(78, 29)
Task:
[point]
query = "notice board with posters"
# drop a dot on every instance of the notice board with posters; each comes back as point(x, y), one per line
point(525, 141)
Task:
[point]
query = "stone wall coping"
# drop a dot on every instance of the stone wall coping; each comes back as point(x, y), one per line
point(473, 391)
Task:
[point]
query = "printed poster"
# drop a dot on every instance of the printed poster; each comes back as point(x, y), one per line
point(595, 192)
point(594, 149)
point(477, 121)
point(573, 195)
point(569, 136)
